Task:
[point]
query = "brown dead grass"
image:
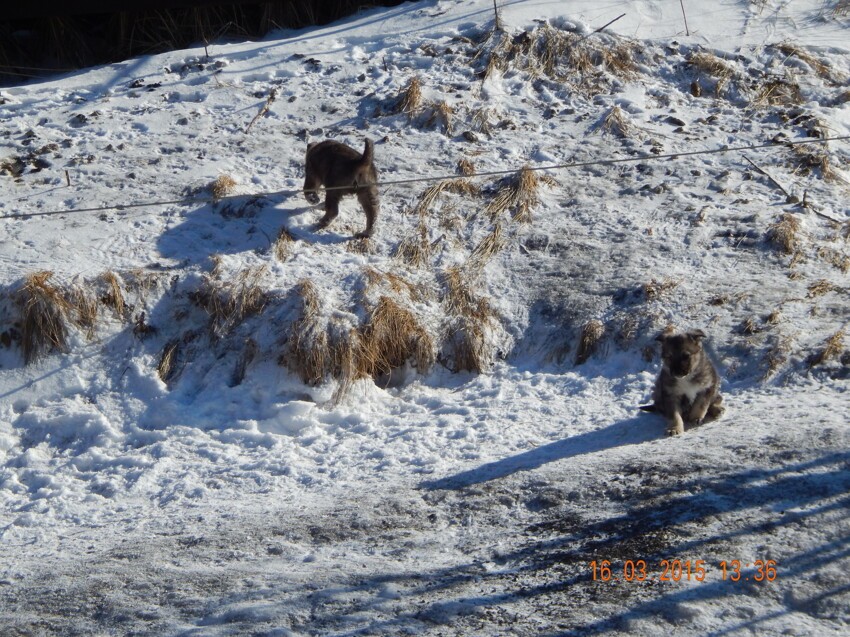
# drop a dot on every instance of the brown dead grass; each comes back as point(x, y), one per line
point(282, 246)
point(228, 303)
point(777, 92)
point(718, 69)
point(391, 337)
point(616, 122)
point(819, 288)
point(788, 49)
point(785, 233)
point(809, 158)
point(113, 296)
point(519, 193)
point(465, 167)
point(223, 186)
point(591, 335)
point(468, 333)
point(832, 349)
point(167, 367)
point(443, 114)
point(489, 246)
point(415, 250)
point(44, 316)
point(655, 290)
point(410, 100)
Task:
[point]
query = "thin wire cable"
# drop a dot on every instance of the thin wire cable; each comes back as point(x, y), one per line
point(413, 180)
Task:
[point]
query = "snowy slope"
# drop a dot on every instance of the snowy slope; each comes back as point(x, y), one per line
point(170, 472)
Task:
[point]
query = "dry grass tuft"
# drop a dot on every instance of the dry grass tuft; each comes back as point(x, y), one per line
point(714, 67)
point(113, 296)
point(655, 289)
point(397, 284)
point(591, 335)
point(415, 250)
point(231, 302)
point(481, 120)
point(777, 92)
point(469, 332)
point(790, 50)
point(166, 367)
point(310, 354)
point(819, 288)
point(814, 157)
point(776, 356)
point(616, 122)
point(832, 348)
point(44, 316)
point(410, 100)
point(282, 246)
point(222, 187)
point(442, 113)
point(518, 193)
point(428, 197)
point(490, 245)
point(785, 233)
point(465, 167)
point(391, 337)
point(837, 259)
point(85, 308)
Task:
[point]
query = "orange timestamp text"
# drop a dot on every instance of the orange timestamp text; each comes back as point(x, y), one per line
point(676, 570)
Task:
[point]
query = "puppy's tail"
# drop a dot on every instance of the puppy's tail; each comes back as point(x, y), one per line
point(368, 153)
point(651, 407)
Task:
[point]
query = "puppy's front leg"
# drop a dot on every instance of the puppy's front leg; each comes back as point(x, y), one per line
point(700, 407)
point(331, 209)
point(676, 426)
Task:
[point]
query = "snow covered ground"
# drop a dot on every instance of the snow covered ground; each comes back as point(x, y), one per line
point(169, 472)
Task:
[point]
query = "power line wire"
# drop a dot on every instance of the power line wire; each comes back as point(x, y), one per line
point(413, 180)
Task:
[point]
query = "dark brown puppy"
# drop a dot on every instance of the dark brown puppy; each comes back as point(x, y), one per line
point(342, 171)
point(688, 388)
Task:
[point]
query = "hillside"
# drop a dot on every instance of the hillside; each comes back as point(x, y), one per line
point(217, 419)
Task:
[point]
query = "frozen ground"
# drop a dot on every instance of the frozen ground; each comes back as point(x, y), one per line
point(221, 495)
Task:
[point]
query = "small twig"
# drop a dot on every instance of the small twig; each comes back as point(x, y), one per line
point(68, 178)
point(763, 172)
point(498, 24)
point(604, 26)
point(265, 109)
point(687, 31)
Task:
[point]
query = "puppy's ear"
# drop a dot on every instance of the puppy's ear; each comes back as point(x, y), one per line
point(310, 146)
point(696, 335)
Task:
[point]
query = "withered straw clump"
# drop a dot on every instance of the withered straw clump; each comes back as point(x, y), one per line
point(518, 193)
point(714, 67)
point(44, 316)
point(832, 348)
point(591, 334)
point(391, 337)
point(443, 113)
point(777, 92)
point(793, 51)
point(222, 187)
point(113, 296)
point(469, 332)
point(410, 100)
point(809, 157)
point(415, 250)
point(486, 250)
point(785, 233)
point(166, 367)
point(282, 246)
point(229, 303)
point(618, 123)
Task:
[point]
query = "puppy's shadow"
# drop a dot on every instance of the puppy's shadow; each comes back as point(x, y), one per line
point(235, 226)
point(631, 431)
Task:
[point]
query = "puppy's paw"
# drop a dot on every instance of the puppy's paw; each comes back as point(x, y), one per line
point(675, 431)
point(312, 197)
point(363, 235)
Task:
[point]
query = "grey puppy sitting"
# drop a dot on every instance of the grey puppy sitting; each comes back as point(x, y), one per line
point(342, 171)
point(688, 387)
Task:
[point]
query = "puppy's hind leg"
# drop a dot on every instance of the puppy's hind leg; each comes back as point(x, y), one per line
point(311, 187)
point(331, 208)
point(369, 201)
